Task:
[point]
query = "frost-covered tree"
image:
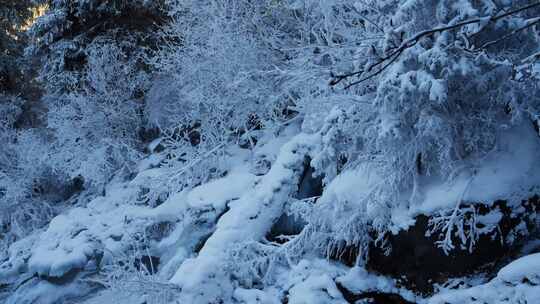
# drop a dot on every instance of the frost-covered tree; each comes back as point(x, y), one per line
point(16, 111)
point(92, 69)
point(84, 62)
point(230, 69)
point(447, 81)
point(14, 18)
point(216, 83)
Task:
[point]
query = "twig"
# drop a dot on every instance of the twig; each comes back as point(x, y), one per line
point(530, 23)
point(376, 73)
point(196, 161)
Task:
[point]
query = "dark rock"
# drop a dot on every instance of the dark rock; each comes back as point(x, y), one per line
point(417, 261)
point(310, 184)
point(76, 186)
point(77, 183)
point(147, 263)
point(286, 225)
point(148, 135)
point(200, 244)
point(346, 254)
point(371, 297)
point(31, 116)
point(64, 279)
point(309, 187)
point(75, 61)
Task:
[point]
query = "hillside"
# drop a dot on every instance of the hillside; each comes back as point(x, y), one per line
point(269, 151)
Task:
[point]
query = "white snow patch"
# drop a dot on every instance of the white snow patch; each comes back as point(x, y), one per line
point(358, 281)
point(527, 267)
point(256, 296)
point(312, 281)
point(518, 282)
point(352, 187)
point(510, 170)
point(218, 192)
point(317, 289)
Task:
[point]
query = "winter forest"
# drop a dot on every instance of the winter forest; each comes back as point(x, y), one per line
point(269, 151)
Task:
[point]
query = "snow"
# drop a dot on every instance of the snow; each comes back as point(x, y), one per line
point(494, 291)
point(352, 186)
point(527, 267)
point(105, 225)
point(43, 292)
point(211, 199)
point(312, 281)
point(319, 289)
point(18, 254)
point(131, 296)
point(202, 279)
point(256, 296)
point(64, 246)
point(254, 203)
point(358, 280)
point(517, 282)
point(220, 191)
point(84, 233)
point(75, 238)
point(505, 173)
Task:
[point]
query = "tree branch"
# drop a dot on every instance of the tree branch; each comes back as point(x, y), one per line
point(387, 60)
point(530, 23)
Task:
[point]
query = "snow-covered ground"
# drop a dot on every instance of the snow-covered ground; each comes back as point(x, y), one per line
point(193, 232)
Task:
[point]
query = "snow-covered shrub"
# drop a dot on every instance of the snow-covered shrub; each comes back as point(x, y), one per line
point(229, 69)
point(132, 273)
point(215, 86)
point(439, 104)
point(94, 79)
point(60, 37)
point(10, 108)
point(318, 39)
point(253, 264)
point(217, 67)
point(25, 180)
point(96, 127)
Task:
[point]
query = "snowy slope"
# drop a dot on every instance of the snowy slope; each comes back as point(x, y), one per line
point(206, 222)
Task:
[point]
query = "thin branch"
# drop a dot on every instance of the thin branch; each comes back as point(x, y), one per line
point(530, 23)
point(376, 73)
point(196, 161)
point(380, 29)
